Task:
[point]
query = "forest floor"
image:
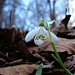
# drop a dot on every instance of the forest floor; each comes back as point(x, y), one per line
point(20, 58)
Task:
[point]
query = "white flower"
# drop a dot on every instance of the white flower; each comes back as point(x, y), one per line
point(39, 35)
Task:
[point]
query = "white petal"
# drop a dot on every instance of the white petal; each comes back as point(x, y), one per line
point(54, 37)
point(46, 32)
point(30, 35)
point(38, 42)
point(43, 31)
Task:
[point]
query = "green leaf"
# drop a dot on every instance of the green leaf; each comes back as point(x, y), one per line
point(39, 70)
point(42, 23)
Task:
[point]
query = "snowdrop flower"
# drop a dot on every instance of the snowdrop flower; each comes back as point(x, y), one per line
point(39, 35)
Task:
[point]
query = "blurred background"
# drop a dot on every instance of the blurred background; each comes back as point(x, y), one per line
point(26, 14)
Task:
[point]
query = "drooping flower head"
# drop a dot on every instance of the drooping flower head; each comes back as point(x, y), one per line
point(40, 34)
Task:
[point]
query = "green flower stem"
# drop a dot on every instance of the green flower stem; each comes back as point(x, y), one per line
point(56, 53)
point(55, 58)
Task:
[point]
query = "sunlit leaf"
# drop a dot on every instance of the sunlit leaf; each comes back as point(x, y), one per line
point(39, 70)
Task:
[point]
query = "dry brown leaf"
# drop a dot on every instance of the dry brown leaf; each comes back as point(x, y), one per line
point(63, 45)
point(20, 69)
